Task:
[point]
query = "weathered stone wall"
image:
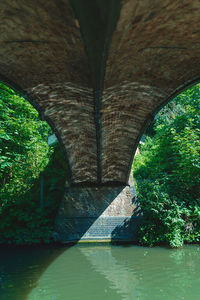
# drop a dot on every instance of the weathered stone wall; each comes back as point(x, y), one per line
point(98, 213)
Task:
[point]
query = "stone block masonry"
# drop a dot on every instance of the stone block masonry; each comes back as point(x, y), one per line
point(91, 229)
point(98, 214)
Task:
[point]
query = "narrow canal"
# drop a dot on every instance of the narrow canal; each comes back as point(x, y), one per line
point(94, 272)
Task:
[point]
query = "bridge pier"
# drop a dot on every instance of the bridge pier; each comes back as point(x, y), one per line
point(100, 213)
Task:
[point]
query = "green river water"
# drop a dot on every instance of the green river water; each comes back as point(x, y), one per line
point(94, 272)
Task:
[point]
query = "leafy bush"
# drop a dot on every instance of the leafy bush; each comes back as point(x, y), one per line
point(24, 156)
point(167, 173)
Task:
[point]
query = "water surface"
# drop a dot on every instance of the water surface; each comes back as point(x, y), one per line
point(94, 272)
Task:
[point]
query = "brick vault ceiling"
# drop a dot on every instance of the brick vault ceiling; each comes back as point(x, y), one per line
point(99, 70)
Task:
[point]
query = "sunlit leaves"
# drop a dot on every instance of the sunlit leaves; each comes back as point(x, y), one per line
point(170, 161)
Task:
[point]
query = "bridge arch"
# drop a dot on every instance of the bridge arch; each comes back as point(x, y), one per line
point(167, 100)
point(99, 73)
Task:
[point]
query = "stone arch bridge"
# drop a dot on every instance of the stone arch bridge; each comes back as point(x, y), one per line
point(98, 71)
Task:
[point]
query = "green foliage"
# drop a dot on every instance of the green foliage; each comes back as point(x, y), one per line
point(24, 154)
point(22, 139)
point(167, 173)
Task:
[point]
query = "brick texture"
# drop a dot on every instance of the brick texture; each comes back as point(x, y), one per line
point(154, 53)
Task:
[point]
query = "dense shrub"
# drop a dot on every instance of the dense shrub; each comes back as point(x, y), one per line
point(167, 172)
point(24, 154)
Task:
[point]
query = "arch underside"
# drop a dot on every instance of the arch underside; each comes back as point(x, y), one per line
point(99, 87)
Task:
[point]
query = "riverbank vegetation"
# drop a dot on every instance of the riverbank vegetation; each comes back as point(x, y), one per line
point(167, 174)
point(24, 157)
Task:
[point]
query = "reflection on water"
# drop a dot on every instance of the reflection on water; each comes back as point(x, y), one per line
point(21, 268)
point(99, 272)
